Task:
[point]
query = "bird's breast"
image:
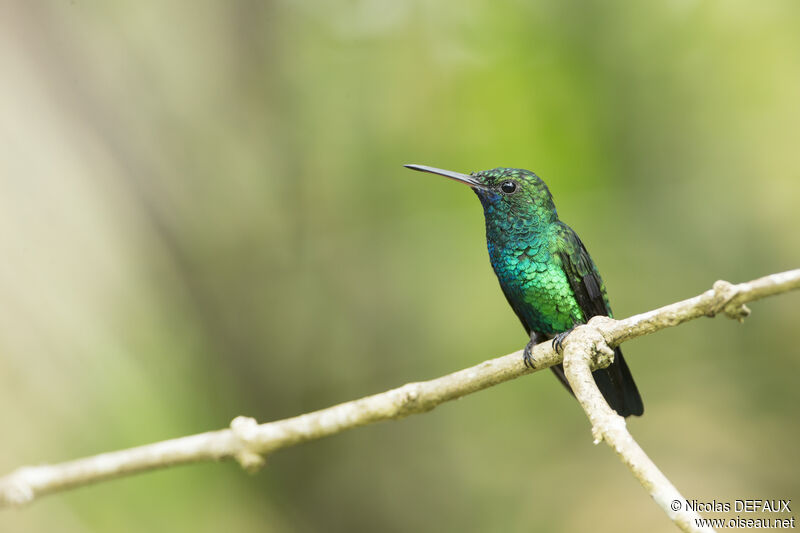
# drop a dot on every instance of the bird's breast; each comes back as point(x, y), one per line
point(536, 287)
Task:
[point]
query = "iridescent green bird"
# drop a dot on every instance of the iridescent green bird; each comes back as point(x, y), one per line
point(544, 270)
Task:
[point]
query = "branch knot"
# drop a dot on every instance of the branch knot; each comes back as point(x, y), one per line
point(245, 429)
point(408, 400)
point(724, 300)
point(591, 343)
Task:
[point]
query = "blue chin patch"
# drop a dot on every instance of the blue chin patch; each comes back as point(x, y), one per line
point(487, 197)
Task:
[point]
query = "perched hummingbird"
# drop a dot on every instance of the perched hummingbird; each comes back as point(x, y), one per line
point(544, 270)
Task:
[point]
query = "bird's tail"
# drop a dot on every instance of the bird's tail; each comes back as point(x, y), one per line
point(616, 383)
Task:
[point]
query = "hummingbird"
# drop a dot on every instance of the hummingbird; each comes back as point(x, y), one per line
point(544, 270)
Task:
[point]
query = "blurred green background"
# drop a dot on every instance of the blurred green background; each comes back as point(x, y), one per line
point(203, 213)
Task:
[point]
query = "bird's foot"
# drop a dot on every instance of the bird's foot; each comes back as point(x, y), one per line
point(527, 353)
point(558, 340)
point(527, 356)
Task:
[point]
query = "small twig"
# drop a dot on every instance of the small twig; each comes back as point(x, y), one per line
point(249, 442)
point(724, 297)
point(584, 349)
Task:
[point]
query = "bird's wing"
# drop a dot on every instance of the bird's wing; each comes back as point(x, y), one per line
point(585, 281)
point(615, 381)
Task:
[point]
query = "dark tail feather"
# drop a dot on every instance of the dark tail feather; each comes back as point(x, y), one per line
point(616, 383)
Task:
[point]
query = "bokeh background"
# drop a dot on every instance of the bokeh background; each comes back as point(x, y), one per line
point(203, 213)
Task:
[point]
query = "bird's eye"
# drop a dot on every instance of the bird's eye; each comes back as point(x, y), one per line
point(508, 187)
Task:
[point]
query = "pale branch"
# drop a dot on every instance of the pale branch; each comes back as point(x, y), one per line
point(585, 349)
point(248, 442)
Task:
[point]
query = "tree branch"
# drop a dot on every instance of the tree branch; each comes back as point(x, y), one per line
point(248, 442)
point(585, 349)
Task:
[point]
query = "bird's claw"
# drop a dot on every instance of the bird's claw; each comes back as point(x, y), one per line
point(527, 356)
point(558, 340)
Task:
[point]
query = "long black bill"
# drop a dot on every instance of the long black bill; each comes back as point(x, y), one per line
point(457, 176)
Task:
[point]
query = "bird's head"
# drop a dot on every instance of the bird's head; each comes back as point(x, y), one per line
point(505, 192)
